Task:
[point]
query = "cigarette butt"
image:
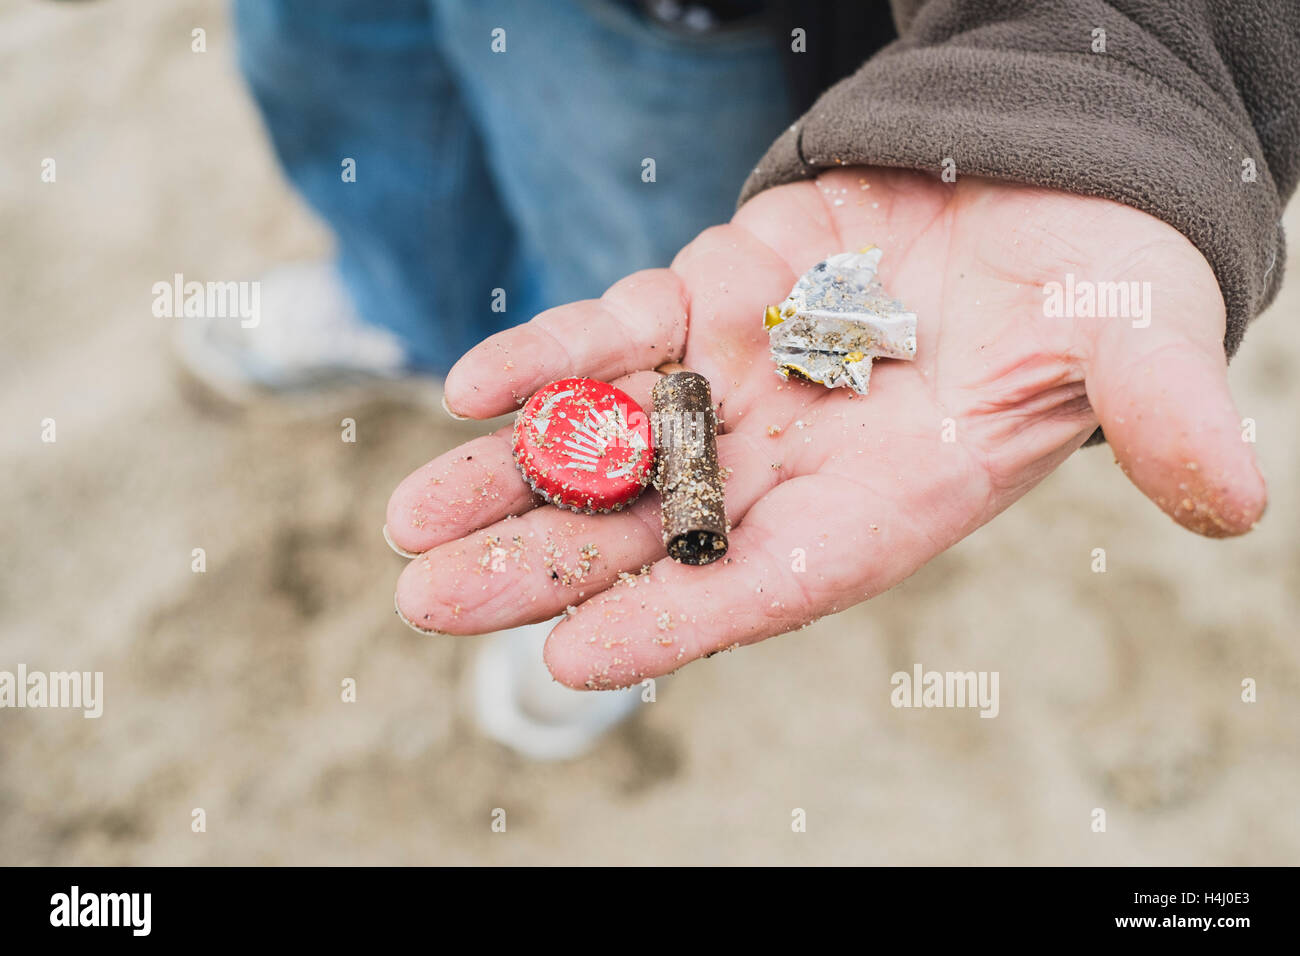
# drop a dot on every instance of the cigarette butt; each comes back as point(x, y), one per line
point(687, 473)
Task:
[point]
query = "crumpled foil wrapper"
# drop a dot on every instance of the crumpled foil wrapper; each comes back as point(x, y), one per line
point(836, 319)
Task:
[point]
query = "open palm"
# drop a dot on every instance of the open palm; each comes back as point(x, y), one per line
point(833, 497)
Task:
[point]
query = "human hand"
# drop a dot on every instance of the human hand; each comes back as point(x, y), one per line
point(868, 488)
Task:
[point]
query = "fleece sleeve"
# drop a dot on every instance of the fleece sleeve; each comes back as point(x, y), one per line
point(1186, 109)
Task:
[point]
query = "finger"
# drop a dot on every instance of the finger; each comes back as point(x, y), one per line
point(472, 486)
point(778, 575)
point(1162, 398)
point(464, 489)
point(639, 323)
point(531, 568)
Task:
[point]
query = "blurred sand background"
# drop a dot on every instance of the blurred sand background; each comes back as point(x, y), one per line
point(1118, 690)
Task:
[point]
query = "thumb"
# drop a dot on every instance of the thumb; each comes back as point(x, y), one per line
point(1161, 395)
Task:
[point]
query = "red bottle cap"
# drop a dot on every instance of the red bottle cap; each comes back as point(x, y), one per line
point(584, 445)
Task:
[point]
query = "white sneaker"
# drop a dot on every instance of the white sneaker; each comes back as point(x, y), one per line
point(308, 341)
point(519, 704)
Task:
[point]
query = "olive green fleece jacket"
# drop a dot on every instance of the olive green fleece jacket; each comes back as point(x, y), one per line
point(1186, 109)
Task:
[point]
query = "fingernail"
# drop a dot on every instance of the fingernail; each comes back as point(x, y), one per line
point(409, 623)
point(447, 408)
point(403, 553)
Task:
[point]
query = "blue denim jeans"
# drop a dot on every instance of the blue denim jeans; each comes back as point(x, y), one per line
point(521, 170)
